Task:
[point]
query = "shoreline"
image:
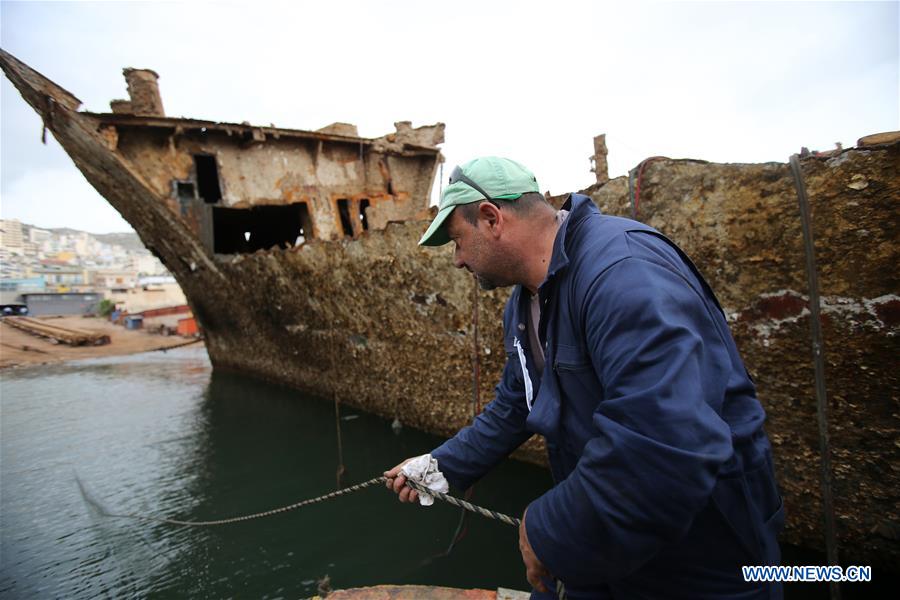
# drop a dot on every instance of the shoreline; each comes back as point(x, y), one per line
point(19, 349)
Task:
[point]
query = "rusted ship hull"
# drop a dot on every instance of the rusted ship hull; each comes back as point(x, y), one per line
point(388, 327)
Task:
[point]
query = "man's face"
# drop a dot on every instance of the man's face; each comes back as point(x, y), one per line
point(477, 251)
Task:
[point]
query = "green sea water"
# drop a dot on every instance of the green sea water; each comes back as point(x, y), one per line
point(160, 434)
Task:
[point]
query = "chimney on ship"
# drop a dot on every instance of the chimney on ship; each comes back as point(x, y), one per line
point(143, 91)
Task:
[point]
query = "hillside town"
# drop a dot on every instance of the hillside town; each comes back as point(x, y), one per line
point(56, 272)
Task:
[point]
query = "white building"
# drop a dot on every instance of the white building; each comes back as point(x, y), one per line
point(113, 279)
point(39, 236)
point(11, 236)
point(147, 264)
point(149, 293)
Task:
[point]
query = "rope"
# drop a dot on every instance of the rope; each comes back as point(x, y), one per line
point(341, 469)
point(341, 492)
point(635, 191)
point(259, 515)
point(831, 541)
point(490, 514)
point(476, 352)
point(484, 512)
point(462, 527)
point(188, 343)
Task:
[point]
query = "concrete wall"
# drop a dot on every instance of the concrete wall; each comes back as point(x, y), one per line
point(61, 304)
point(156, 296)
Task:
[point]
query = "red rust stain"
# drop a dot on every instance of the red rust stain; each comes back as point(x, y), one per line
point(889, 312)
point(779, 307)
point(411, 592)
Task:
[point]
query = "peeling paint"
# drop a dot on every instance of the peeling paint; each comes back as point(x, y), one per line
point(772, 310)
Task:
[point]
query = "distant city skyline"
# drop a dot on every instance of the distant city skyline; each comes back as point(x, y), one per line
point(718, 81)
point(27, 250)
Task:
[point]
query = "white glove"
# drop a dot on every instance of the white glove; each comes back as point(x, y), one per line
point(424, 470)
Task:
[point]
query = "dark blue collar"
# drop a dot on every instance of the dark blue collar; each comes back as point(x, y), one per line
point(579, 207)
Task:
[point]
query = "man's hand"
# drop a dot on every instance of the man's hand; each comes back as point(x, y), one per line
point(396, 481)
point(534, 569)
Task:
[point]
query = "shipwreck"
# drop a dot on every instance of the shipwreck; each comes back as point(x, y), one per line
point(297, 253)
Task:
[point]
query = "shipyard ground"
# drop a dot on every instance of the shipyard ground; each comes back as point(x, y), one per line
point(20, 349)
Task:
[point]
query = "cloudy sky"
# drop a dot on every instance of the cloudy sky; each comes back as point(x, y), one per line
point(535, 81)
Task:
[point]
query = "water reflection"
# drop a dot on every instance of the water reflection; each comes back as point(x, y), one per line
point(93, 420)
point(160, 434)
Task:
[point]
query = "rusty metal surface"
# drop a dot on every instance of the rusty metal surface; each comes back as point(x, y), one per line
point(401, 315)
point(278, 172)
point(741, 225)
point(411, 592)
point(133, 120)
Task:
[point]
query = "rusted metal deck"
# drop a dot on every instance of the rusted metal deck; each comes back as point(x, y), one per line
point(423, 592)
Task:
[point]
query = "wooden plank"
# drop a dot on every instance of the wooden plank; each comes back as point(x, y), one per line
point(56, 333)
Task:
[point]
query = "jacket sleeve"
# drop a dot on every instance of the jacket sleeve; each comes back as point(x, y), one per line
point(496, 432)
point(657, 441)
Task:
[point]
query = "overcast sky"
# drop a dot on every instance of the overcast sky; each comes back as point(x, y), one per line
point(534, 81)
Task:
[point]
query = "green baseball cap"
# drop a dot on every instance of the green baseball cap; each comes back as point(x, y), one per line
point(486, 178)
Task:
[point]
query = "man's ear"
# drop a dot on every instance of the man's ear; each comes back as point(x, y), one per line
point(492, 216)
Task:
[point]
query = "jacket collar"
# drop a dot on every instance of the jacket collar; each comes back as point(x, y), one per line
point(579, 207)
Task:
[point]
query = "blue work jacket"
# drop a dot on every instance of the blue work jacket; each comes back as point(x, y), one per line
point(663, 474)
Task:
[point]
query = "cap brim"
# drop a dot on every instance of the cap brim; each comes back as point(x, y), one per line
point(436, 234)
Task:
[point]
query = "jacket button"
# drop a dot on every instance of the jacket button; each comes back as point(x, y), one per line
point(521, 326)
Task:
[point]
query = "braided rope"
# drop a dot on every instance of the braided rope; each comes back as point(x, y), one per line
point(484, 512)
point(560, 588)
point(342, 492)
point(259, 515)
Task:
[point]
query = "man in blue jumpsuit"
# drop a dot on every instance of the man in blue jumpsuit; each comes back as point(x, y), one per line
point(620, 356)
